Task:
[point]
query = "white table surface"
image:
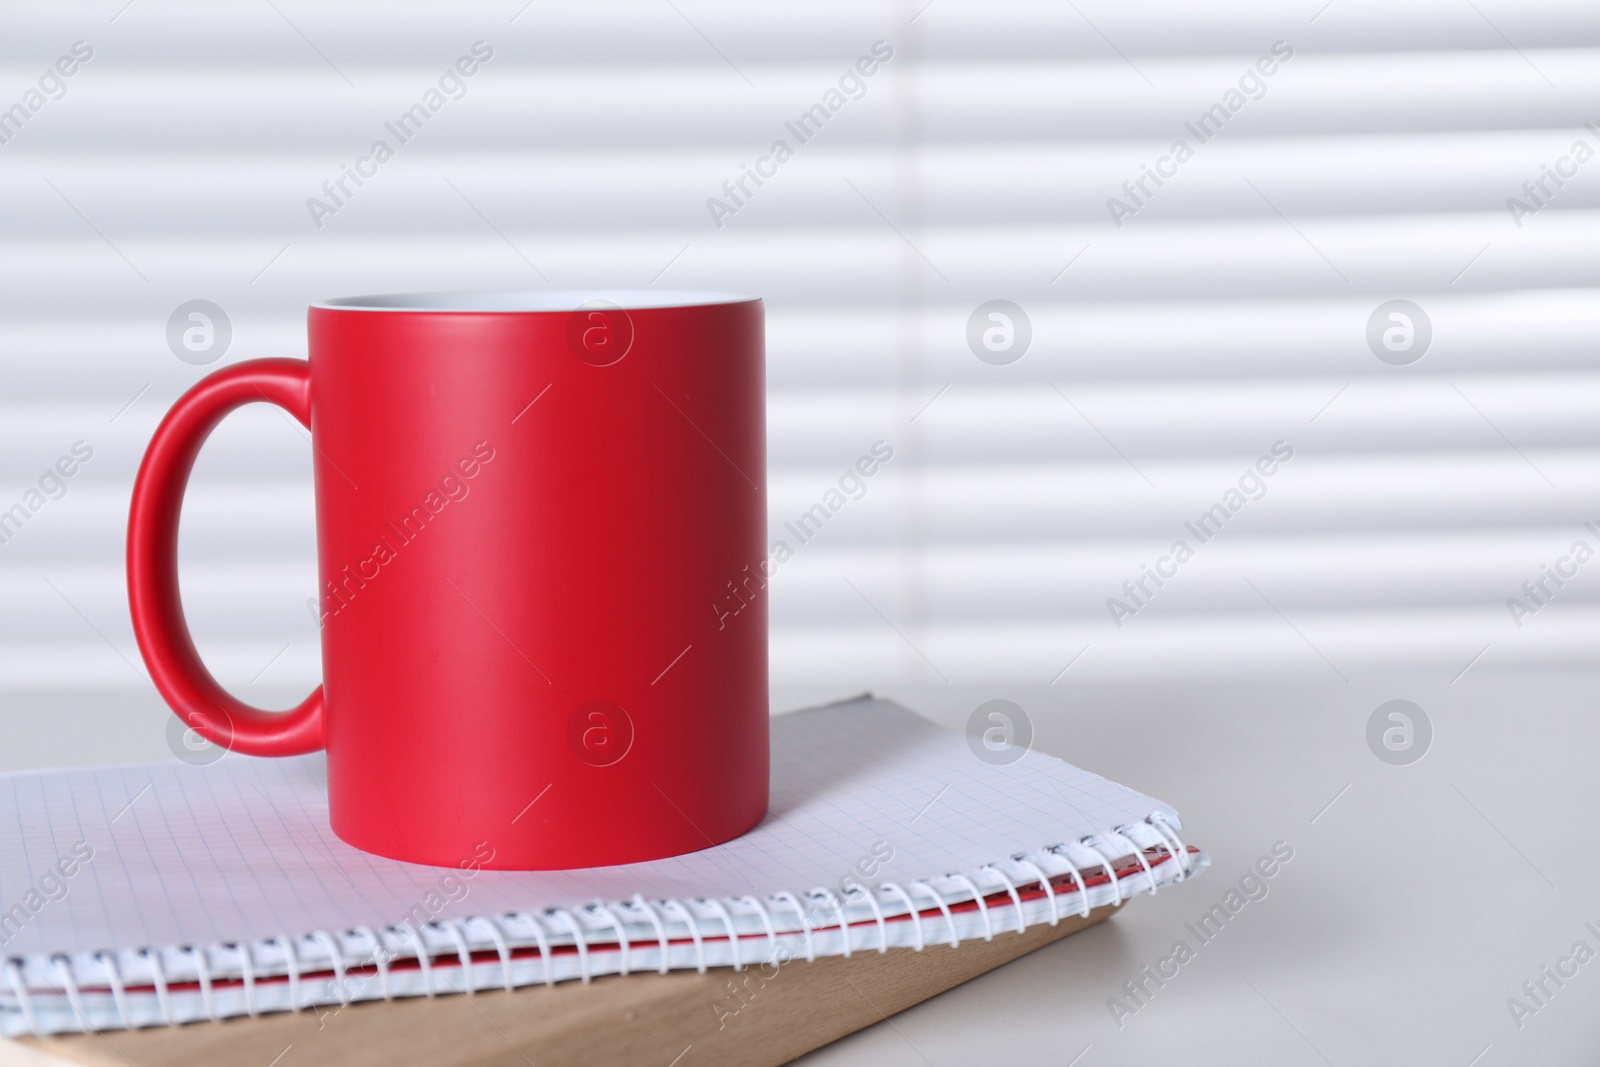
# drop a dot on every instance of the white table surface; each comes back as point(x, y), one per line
point(1415, 905)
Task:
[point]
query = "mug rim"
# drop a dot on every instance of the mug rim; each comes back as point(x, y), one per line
point(532, 301)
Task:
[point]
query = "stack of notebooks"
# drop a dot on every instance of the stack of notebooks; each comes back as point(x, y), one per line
point(162, 893)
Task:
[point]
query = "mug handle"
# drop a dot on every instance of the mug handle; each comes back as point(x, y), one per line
point(158, 623)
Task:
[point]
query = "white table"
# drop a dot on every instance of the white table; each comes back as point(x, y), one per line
point(1416, 904)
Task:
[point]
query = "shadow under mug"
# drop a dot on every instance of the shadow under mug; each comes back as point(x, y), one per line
point(541, 524)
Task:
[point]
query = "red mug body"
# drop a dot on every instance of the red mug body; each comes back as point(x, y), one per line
point(541, 527)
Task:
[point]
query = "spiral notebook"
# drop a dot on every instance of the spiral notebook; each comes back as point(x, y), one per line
point(163, 893)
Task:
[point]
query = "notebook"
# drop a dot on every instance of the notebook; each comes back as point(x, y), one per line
point(162, 893)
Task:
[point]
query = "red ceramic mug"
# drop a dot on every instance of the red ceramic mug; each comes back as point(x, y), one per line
point(533, 510)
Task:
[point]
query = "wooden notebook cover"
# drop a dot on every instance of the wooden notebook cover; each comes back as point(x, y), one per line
point(751, 1018)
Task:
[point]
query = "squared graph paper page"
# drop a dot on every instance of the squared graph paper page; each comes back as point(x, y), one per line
point(241, 851)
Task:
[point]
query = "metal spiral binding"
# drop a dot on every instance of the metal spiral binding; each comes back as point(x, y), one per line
point(119, 993)
point(452, 927)
point(616, 924)
point(944, 907)
point(578, 939)
point(977, 898)
point(501, 948)
point(70, 984)
point(363, 947)
point(14, 976)
point(159, 971)
point(336, 956)
point(694, 932)
point(542, 939)
point(766, 921)
point(380, 958)
point(1011, 889)
point(661, 929)
point(1088, 842)
point(1022, 859)
point(871, 900)
point(1138, 854)
point(727, 924)
point(835, 902)
point(805, 922)
point(911, 911)
point(424, 961)
point(1163, 826)
point(202, 971)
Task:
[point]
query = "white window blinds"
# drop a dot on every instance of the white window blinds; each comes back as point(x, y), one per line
point(1192, 317)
